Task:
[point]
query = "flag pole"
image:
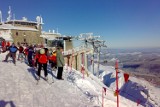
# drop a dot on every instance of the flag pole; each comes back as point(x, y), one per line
point(103, 92)
point(82, 65)
point(117, 90)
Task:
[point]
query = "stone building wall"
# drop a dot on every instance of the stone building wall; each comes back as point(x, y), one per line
point(30, 37)
point(77, 61)
point(68, 44)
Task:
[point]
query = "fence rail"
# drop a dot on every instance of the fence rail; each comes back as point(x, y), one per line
point(76, 50)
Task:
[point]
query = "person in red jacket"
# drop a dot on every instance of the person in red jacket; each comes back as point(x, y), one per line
point(3, 46)
point(20, 55)
point(26, 51)
point(42, 61)
point(8, 45)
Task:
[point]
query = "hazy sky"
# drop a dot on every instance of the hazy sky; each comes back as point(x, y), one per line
point(122, 23)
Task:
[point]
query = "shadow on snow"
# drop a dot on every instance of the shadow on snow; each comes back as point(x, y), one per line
point(6, 103)
point(34, 72)
point(136, 93)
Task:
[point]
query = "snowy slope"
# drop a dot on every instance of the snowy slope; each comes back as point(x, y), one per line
point(135, 90)
point(18, 88)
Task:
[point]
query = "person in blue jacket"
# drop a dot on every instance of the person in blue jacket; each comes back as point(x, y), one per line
point(12, 52)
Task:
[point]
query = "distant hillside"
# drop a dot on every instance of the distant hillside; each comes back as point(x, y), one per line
point(144, 63)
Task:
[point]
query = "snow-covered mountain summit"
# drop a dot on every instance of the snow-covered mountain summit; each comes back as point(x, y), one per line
point(18, 88)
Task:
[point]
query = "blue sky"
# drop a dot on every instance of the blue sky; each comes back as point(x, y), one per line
point(122, 23)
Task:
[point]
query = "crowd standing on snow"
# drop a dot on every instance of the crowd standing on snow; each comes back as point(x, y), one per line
point(36, 56)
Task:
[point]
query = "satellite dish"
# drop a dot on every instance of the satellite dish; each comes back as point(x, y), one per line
point(38, 18)
point(24, 18)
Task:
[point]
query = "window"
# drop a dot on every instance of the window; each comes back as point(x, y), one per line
point(57, 43)
point(16, 33)
point(45, 41)
point(24, 40)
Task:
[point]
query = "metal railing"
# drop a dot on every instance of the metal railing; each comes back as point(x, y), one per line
point(76, 50)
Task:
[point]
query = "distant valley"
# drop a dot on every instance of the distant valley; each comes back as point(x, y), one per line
point(142, 63)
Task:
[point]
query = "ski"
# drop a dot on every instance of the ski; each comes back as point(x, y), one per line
point(37, 82)
point(4, 61)
point(49, 82)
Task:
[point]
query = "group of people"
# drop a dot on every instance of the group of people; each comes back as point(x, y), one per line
point(54, 57)
point(38, 58)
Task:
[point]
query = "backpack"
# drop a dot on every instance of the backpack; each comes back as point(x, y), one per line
point(43, 59)
point(21, 49)
point(13, 49)
point(42, 51)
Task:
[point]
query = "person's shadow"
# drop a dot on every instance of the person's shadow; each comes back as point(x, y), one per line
point(6, 103)
point(35, 76)
point(33, 72)
point(50, 71)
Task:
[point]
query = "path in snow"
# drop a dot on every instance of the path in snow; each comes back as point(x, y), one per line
point(18, 89)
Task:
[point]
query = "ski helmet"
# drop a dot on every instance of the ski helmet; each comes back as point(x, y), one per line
point(42, 51)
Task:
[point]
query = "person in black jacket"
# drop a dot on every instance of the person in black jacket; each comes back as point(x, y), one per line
point(30, 55)
point(12, 52)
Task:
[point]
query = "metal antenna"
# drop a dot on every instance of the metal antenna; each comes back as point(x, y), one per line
point(96, 44)
point(9, 14)
point(0, 16)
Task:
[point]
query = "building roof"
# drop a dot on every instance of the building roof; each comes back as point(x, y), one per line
point(49, 35)
point(26, 21)
point(9, 26)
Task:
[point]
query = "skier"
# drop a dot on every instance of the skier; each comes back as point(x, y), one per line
point(26, 51)
point(52, 59)
point(36, 57)
point(7, 45)
point(42, 61)
point(12, 52)
point(60, 62)
point(3, 46)
point(20, 55)
point(30, 56)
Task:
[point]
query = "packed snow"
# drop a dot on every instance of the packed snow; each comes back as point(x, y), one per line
point(19, 88)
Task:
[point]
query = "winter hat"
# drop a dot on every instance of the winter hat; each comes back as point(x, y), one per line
point(53, 48)
point(54, 51)
point(42, 51)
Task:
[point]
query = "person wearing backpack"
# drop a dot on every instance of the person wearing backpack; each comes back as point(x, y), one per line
point(42, 61)
point(12, 52)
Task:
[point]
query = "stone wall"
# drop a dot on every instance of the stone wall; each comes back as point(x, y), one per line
point(30, 37)
point(68, 45)
point(76, 60)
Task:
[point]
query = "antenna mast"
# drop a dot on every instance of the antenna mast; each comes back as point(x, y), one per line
point(57, 30)
point(14, 16)
point(0, 16)
point(96, 45)
point(9, 14)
